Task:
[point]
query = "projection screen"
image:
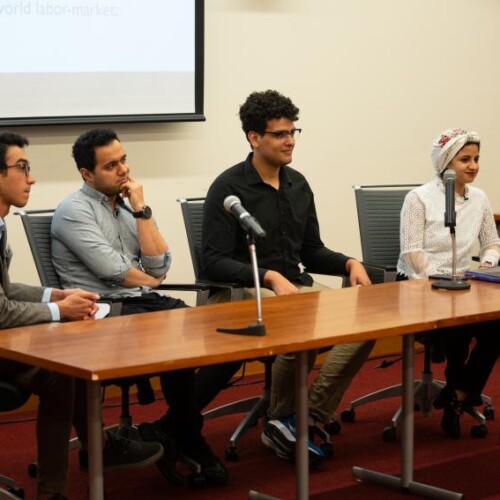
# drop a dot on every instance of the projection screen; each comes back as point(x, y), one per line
point(78, 61)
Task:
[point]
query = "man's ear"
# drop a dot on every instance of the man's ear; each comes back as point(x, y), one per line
point(86, 174)
point(252, 137)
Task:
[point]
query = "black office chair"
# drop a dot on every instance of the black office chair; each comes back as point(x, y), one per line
point(379, 209)
point(254, 407)
point(12, 397)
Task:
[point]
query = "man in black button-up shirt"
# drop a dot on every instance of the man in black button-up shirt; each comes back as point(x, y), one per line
point(288, 215)
point(280, 198)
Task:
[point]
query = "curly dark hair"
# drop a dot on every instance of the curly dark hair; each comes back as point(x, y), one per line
point(260, 107)
point(84, 146)
point(8, 139)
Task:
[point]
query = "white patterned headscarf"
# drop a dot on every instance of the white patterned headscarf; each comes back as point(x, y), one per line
point(448, 144)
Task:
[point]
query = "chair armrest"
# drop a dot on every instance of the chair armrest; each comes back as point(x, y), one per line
point(380, 273)
point(205, 288)
point(219, 284)
point(184, 287)
point(236, 288)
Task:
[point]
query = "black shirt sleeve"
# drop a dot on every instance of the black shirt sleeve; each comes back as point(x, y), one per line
point(223, 240)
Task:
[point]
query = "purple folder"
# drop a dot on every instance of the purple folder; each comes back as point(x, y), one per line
point(485, 274)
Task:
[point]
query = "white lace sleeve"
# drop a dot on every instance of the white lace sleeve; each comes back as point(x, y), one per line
point(488, 238)
point(416, 260)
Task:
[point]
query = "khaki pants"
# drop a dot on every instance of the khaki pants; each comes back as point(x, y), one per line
point(339, 368)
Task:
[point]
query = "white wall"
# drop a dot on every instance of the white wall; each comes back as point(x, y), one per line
point(375, 81)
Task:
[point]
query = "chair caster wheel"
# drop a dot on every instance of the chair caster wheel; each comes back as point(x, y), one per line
point(389, 434)
point(348, 416)
point(33, 470)
point(18, 492)
point(479, 431)
point(231, 454)
point(327, 449)
point(489, 412)
point(195, 480)
point(333, 427)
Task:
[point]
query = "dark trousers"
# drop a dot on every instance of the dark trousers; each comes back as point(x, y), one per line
point(469, 371)
point(53, 426)
point(210, 380)
point(182, 420)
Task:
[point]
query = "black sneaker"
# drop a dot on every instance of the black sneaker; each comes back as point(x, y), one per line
point(452, 411)
point(211, 468)
point(122, 453)
point(444, 395)
point(167, 465)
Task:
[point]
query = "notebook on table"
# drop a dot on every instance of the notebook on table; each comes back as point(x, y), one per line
point(485, 274)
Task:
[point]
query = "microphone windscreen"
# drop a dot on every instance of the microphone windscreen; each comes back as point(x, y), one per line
point(449, 175)
point(229, 201)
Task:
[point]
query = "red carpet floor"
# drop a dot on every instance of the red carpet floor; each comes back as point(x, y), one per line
point(468, 465)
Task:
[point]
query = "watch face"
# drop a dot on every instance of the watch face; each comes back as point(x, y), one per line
point(146, 212)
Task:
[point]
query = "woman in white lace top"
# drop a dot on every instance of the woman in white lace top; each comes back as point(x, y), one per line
point(426, 250)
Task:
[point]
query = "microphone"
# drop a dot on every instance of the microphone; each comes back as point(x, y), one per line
point(456, 282)
point(450, 216)
point(232, 204)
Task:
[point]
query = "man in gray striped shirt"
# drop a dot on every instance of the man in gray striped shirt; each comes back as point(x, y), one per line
point(105, 239)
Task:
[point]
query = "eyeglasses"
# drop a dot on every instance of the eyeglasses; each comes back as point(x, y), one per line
point(284, 134)
point(23, 165)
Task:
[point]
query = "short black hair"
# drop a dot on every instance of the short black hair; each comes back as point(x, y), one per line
point(260, 107)
point(84, 146)
point(8, 139)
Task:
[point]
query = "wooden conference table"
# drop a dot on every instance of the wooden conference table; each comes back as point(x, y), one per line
point(150, 343)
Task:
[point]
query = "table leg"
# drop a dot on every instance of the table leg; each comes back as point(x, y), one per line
point(405, 482)
point(301, 404)
point(96, 483)
point(408, 403)
point(301, 451)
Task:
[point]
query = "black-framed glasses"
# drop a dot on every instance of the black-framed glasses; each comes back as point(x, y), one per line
point(23, 165)
point(284, 134)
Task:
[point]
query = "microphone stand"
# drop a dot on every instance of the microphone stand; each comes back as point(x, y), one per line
point(456, 282)
point(257, 328)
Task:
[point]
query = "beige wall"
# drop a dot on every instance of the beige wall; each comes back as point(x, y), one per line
point(375, 82)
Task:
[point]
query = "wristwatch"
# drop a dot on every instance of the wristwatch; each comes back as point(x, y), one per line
point(144, 213)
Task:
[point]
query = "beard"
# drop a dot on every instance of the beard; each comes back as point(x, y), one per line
point(109, 190)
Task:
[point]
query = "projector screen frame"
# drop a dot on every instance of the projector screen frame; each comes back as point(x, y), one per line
point(197, 115)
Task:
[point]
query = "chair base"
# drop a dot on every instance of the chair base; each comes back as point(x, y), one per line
point(426, 391)
point(241, 406)
point(258, 411)
point(255, 407)
point(9, 490)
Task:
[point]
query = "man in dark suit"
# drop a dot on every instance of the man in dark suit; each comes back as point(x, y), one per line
point(22, 305)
